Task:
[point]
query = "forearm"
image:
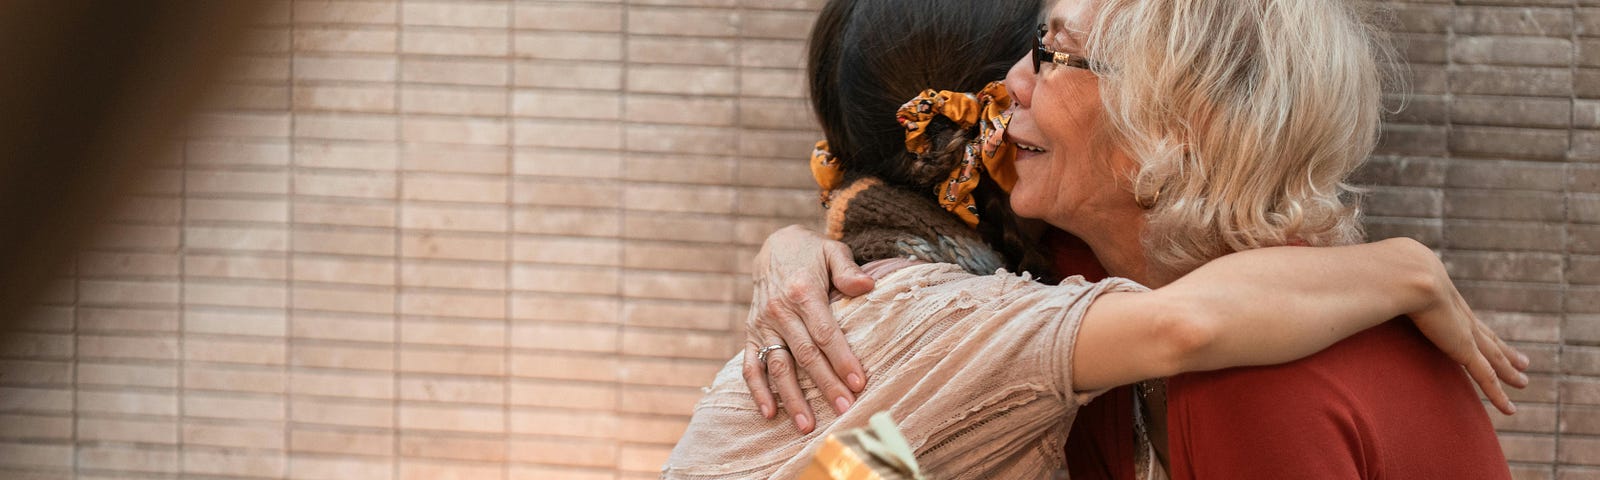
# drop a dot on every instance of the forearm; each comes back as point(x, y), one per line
point(1275, 305)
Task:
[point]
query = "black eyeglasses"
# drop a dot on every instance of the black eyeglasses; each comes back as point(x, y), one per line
point(1041, 52)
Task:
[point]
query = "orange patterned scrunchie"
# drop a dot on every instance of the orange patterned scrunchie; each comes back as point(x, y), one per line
point(825, 169)
point(986, 152)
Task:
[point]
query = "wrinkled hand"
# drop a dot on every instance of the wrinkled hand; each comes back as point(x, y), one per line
point(792, 275)
point(1451, 325)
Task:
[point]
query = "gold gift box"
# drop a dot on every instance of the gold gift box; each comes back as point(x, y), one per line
point(876, 452)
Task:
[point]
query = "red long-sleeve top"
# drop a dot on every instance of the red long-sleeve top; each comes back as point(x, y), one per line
point(1384, 403)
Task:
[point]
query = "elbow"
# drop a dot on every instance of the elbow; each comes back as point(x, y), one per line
point(1188, 337)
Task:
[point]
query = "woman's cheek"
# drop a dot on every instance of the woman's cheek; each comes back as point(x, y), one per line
point(1025, 196)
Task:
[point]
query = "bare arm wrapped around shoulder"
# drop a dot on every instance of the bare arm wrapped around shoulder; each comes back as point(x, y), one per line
point(1275, 305)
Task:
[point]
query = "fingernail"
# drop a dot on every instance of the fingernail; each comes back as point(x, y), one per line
point(800, 422)
point(841, 404)
point(766, 411)
point(1524, 358)
point(1522, 377)
point(1513, 408)
point(855, 382)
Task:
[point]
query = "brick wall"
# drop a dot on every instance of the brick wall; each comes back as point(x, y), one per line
point(496, 239)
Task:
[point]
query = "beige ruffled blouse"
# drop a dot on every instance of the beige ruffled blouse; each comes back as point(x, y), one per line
point(975, 370)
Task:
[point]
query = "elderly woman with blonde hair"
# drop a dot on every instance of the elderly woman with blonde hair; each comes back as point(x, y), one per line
point(1167, 135)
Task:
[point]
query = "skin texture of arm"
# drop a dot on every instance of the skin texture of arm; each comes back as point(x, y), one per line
point(1274, 305)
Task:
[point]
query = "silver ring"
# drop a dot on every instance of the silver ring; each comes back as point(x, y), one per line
point(762, 353)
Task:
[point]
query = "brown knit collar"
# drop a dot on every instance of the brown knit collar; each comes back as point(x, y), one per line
point(881, 221)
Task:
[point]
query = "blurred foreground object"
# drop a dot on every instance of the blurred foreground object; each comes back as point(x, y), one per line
point(877, 452)
point(91, 91)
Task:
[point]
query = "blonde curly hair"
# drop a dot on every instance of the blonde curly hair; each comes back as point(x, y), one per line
point(1244, 118)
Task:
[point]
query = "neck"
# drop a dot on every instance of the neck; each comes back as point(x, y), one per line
point(1118, 244)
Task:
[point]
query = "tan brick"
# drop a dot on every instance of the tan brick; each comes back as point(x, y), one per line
point(336, 468)
point(581, 46)
point(464, 333)
point(564, 308)
point(164, 375)
point(360, 40)
point(42, 400)
point(233, 379)
point(353, 270)
point(455, 71)
point(126, 458)
point(121, 402)
point(345, 384)
point(464, 131)
point(471, 449)
point(128, 430)
point(582, 17)
point(345, 126)
point(565, 452)
point(257, 267)
point(454, 390)
point(351, 413)
point(476, 362)
point(233, 462)
point(149, 348)
point(260, 239)
point(424, 469)
point(462, 218)
point(570, 337)
point(453, 14)
point(484, 305)
point(230, 435)
point(565, 279)
point(234, 407)
point(309, 439)
point(589, 368)
point(38, 345)
point(381, 358)
point(351, 242)
point(344, 299)
point(345, 98)
point(535, 393)
point(259, 295)
point(324, 11)
point(346, 155)
point(342, 326)
point(485, 43)
point(453, 418)
point(491, 160)
point(332, 212)
point(37, 427)
point(453, 246)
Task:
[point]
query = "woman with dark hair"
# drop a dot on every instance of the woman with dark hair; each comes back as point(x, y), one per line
point(982, 370)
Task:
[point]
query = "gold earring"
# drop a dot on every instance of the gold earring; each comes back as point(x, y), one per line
point(1153, 201)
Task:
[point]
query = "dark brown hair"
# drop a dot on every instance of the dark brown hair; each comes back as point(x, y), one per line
point(868, 57)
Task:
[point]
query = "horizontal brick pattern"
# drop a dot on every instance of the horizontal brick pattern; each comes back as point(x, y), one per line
point(428, 239)
point(508, 239)
point(1492, 161)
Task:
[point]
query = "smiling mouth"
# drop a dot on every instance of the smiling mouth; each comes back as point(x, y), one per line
point(1029, 148)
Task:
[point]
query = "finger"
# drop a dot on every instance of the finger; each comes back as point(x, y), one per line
point(847, 277)
point(814, 362)
point(755, 378)
point(1518, 359)
point(781, 372)
point(1491, 346)
point(840, 365)
point(1484, 375)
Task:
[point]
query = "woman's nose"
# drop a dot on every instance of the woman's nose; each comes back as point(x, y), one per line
point(1019, 81)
